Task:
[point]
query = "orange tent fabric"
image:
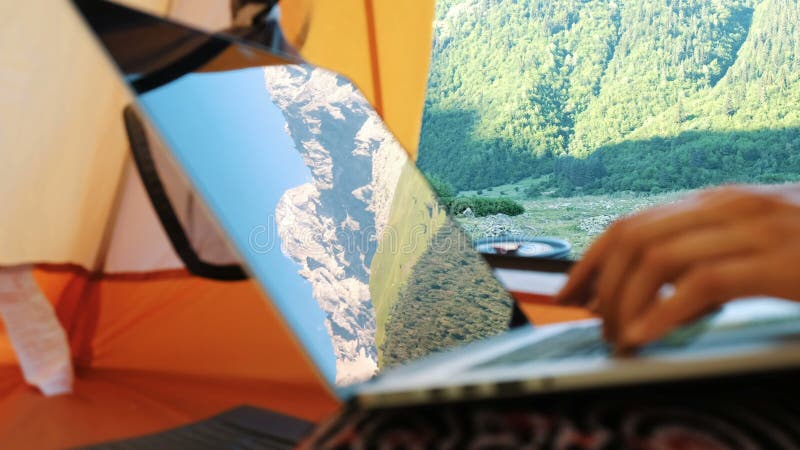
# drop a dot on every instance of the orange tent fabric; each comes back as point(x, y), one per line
point(157, 350)
point(382, 46)
point(152, 348)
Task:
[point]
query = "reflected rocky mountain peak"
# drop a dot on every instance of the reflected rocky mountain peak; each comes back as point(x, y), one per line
point(331, 225)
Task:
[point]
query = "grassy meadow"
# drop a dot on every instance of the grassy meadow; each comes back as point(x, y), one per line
point(578, 219)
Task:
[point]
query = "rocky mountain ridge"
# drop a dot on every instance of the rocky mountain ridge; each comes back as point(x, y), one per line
point(331, 226)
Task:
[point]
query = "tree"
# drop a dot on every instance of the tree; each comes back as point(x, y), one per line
point(727, 106)
point(442, 189)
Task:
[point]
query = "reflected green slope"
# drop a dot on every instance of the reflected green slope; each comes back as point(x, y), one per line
point(415, 218)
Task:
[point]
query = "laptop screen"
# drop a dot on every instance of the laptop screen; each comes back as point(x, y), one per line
point(316, 196)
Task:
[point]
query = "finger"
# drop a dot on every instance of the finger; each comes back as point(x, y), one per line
point(592, 305)
point(636, 233)
point(626, 239)
point(580, 285)
point(700, 290)
point(611, 252)
point(669, 259)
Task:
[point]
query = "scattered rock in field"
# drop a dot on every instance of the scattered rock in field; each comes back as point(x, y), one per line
point(596, 224)
point(468, 213)
point(497, 225)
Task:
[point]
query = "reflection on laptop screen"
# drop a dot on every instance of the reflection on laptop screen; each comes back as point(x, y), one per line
point(347, 232)
point(584, 111)
point(319, 199)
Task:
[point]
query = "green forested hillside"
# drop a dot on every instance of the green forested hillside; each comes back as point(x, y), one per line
point(597, 96)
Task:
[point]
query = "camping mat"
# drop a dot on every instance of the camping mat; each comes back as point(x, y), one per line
point(746, 413)
point(243, 428)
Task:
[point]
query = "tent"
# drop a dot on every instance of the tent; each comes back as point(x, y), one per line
point(383, 47)
point(152, 344)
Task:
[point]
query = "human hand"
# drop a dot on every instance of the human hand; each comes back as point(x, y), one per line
point(712, 247)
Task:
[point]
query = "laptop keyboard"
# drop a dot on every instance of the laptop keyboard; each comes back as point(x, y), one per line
point(583, 342)
point(242, 428)
point(587, 341)
point(571, 343)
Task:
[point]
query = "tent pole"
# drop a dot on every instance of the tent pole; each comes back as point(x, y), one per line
point(373, 54)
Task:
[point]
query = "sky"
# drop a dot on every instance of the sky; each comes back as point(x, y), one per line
point(231, 141)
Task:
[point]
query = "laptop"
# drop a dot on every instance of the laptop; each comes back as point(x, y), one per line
point(322, 207)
